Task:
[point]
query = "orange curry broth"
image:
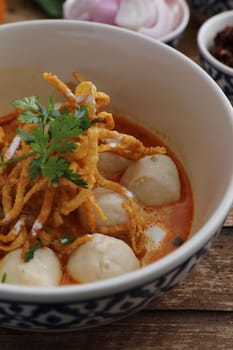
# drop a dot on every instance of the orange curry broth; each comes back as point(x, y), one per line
point(175, 218)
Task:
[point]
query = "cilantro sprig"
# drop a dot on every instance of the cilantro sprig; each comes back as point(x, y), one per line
point(4, 277)
point(64, 241)
point(31, 251)
point(52, 136)
point(178, 241)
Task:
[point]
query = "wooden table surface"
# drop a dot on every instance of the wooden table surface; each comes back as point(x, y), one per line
point(196, 315)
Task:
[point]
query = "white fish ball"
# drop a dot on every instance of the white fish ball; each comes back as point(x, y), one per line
point(111, 204)
point(42, 270)
point(154, 180)
point(100, 258)
point(110, 164)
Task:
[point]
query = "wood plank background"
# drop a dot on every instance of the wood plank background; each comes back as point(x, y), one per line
point(196, 315)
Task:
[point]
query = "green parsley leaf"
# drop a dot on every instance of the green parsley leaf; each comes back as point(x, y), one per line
point(55, 168)
point(29, 117)
point(178, 241)
point(14, 160)
point(86, 123)
point(81, 112)
point(64, 127)
point(66, 239)
point(50, 105)
point(53, 134)
point(27, 103)
point(43, 110)
point(31, 251)
point(40, 142)
point(35, 168)
point(4, 277)
point(38, 114)
point(65, 147)
point(75, 178)
point(26, 136)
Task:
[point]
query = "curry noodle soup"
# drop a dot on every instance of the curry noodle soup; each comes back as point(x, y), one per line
point(85, 196)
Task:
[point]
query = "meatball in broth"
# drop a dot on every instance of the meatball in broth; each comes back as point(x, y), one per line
point(100, 258)
point(154, 180)
point(110, 203)
point(111, 164)
point(43, 270)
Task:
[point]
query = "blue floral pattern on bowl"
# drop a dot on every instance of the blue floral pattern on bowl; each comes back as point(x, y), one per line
point(174, 41)
point(224, 80)
point(89, 313)
point(207, 8)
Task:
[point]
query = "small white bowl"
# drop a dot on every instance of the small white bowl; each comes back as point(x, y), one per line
point(164, 91)
point(176, 34)
point(220, 72)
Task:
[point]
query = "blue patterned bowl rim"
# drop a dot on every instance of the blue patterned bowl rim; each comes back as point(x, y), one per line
point(203, 46)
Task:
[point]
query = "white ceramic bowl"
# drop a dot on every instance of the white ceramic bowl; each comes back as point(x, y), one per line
point(220, 72)
point(167, 93)
point(203, 9)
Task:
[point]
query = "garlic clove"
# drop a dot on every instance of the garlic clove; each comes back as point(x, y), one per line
point(133, 14)
point(163, 24)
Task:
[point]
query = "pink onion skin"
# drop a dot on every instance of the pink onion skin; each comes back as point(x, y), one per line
point(168, 17)
point(103, 11)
